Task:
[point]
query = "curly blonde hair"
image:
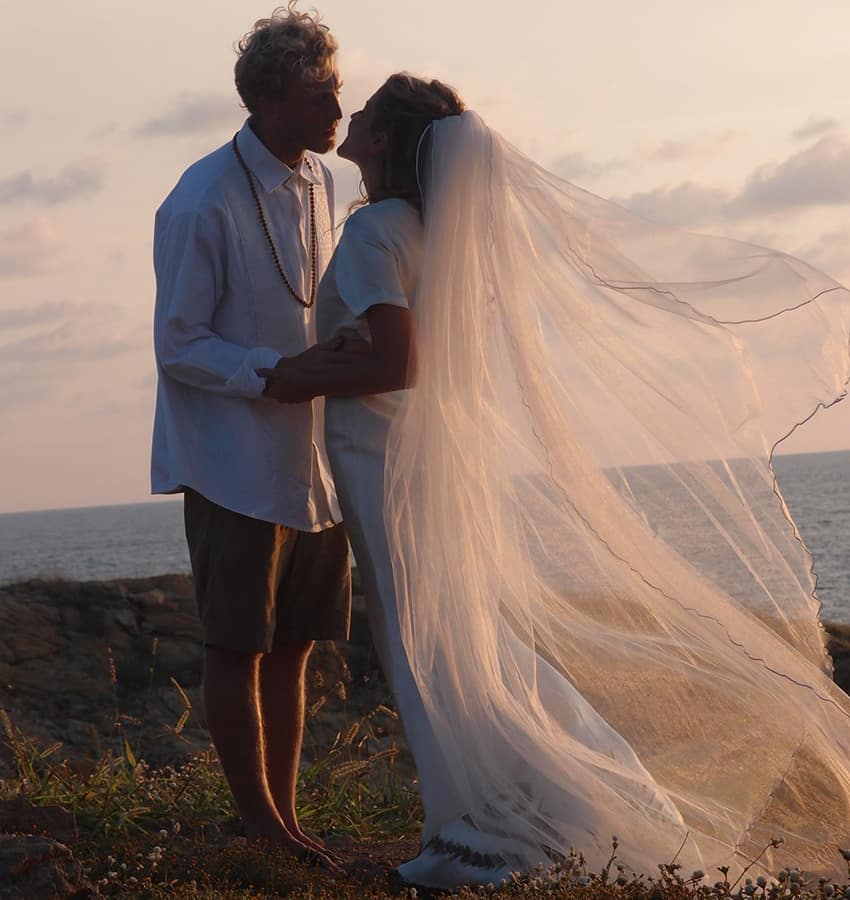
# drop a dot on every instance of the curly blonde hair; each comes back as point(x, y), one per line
point(288, 45)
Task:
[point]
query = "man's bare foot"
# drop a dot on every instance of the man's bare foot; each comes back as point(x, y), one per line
point(307, 840)
point(276, 834)
point(313, 843)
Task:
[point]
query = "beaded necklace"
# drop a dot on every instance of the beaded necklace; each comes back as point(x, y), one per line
point(314, 246)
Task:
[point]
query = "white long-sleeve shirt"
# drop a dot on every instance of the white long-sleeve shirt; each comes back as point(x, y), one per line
point(223, 311)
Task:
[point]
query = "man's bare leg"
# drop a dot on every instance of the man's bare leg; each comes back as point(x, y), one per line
point(231, 703)
point(282, 704)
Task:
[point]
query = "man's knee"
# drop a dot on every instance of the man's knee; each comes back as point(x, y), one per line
point(293, 653)
point(223, 658)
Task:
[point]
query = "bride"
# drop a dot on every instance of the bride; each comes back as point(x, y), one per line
point(551, 431)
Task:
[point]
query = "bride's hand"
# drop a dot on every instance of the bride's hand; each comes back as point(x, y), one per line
point(293, 379)
point(354, 345)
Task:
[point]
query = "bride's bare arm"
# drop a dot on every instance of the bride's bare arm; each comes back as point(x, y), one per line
point(388, 363)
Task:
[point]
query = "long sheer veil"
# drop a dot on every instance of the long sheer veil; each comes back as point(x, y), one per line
point(604, 600)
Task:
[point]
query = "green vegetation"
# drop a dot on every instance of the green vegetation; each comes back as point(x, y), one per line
point(173, 832)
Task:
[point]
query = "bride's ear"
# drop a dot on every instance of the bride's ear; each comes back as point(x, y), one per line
point(379, 141)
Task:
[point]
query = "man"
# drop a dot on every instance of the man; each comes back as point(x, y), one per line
point(239, 247)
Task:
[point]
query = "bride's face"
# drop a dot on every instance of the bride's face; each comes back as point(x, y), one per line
point(363, 145)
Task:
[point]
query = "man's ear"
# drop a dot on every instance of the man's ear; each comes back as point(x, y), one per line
point(263, 108)
point(271, 108)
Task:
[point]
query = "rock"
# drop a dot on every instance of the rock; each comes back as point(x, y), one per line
point(19, 815)
point(84, 737)
point(58, 684)
point(127, 619)
point(74, 655)
point(71, 617)
point(40, 868)
point(150, 600)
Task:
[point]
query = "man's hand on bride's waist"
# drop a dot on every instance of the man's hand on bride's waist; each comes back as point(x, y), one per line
point(297, 379)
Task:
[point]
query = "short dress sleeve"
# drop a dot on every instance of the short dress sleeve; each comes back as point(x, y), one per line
point(367, 267)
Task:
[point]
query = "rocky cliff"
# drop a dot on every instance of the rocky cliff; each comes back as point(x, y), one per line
point(90, 663)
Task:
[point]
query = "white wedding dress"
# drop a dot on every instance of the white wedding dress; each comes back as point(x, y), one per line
point(591, 603)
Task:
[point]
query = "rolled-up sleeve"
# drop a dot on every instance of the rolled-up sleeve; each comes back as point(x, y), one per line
point(189, 251)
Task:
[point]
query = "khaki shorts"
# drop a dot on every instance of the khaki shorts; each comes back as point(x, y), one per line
point(259, 585)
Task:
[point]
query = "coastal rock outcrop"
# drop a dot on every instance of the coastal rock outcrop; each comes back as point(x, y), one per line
point(35, 866)
point(116, 664)
point(91, 665)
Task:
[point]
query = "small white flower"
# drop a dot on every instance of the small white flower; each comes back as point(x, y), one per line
point(698, 875)
point(582, 881)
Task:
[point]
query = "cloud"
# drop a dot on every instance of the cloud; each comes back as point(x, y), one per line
point(27, 386)
point(128, 405)
point(30, 249)
point(193, 114)
point(46, 361)
point(576, 166)
point(25, 316)
point(14, 117)
point(815, 127)
point(72, 341)
point(695, 148)
point(818, 175)
point(103, 131)
point(685, 204)
point(79, 180)
point(830, 252)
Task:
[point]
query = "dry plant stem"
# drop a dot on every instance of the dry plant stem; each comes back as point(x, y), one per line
point(113, 683)
point(149, 691)
point(681, 848)
point(773, 843)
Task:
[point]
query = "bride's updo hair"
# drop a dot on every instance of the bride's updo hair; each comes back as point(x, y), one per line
point(404, 107)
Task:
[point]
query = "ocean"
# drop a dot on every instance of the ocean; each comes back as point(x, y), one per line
point(143, 539)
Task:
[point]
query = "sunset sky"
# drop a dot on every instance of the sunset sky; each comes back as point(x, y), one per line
point(726, 117)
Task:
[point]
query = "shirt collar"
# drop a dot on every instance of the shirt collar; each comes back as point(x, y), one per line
point(266, 167)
